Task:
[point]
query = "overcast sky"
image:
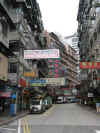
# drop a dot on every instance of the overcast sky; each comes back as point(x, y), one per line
point(59, 15)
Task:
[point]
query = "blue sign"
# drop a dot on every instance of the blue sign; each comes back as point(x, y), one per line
point(14, 96)
point(37, 81)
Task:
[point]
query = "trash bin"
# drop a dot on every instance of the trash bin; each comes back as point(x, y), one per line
point(12, 109)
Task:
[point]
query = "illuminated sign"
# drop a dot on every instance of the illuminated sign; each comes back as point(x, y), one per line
point(41, 54)
point(89, 65)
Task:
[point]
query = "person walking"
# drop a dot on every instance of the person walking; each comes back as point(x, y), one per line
point(98, 107)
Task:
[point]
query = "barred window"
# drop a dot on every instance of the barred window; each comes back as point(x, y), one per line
point(12, 68)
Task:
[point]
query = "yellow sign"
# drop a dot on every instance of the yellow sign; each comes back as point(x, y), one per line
point(29, 74)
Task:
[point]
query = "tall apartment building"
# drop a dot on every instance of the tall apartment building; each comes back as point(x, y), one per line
point(89, 42)
point(68, 61)
point(24, 32)
point(73, 42)
point(21, 28)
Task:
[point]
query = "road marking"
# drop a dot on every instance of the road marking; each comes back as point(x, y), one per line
point(49, 111)
point(24, 126)
point(97, 131)
point(19, 126)
point(8, 129)
point(27, 126)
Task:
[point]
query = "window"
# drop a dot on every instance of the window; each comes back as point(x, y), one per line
point(95, 35)
point(97, 10)
point(99, 28)
point(97, 53)
point(12, 68)
point(91, 43)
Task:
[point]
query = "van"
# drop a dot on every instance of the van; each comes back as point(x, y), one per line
point(37, 106)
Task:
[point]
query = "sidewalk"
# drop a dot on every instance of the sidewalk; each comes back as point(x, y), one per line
point(5, 118)
point(90, 108)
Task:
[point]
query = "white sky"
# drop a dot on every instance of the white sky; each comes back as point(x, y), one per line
point(59, 15)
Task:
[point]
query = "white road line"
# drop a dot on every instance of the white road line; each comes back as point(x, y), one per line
point(7, 129)
point(97, 131)
point(19, 126)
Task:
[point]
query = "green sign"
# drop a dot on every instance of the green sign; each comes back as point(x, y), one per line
point(38, 84)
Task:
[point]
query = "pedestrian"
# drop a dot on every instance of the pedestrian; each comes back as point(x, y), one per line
point(98, 107)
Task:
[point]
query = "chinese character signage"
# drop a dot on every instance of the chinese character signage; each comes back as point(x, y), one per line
point(41, 54)
point(89, 65)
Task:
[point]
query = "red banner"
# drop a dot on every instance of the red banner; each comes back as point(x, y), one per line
point(89, 65)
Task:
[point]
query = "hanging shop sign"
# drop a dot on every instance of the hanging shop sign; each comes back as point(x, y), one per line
point(22, 82)
point(55, 81)
point(29, 74)
point(48, 81)
point(90, 95)
point(3, 67)
point(5, 94)
point(89, 65)
point(41, 54)
point(38, 82)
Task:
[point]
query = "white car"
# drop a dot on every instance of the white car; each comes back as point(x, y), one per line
point(37, 106)
point(60, 99)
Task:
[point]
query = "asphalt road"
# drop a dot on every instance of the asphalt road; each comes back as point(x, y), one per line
point(61, 118)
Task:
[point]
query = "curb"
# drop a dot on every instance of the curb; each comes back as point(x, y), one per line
point(13, 119)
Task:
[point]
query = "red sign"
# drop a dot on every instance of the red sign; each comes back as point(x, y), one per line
point(89, 65)
point(22, 82)
point(5, 94)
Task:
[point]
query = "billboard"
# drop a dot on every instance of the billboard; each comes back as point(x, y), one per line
point(41, 54)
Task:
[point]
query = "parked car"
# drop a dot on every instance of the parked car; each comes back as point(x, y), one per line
point(72, 100)
point(60, 99)
point(37, 106)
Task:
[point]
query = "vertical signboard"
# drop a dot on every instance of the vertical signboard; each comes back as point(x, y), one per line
point(3, 67)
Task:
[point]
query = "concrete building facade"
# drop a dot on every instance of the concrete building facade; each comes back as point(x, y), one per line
point(89, 42)
point(68, 60)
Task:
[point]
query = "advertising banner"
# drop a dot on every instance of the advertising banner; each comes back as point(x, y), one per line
point(48, 81)
point(41, 54)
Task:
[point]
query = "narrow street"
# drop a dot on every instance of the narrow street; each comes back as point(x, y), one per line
point(62, 118)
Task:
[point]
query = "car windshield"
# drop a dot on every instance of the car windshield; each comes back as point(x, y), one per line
point(35, 102)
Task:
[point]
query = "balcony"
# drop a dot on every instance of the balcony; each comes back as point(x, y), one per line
point(13, 36)
point(6, 9)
